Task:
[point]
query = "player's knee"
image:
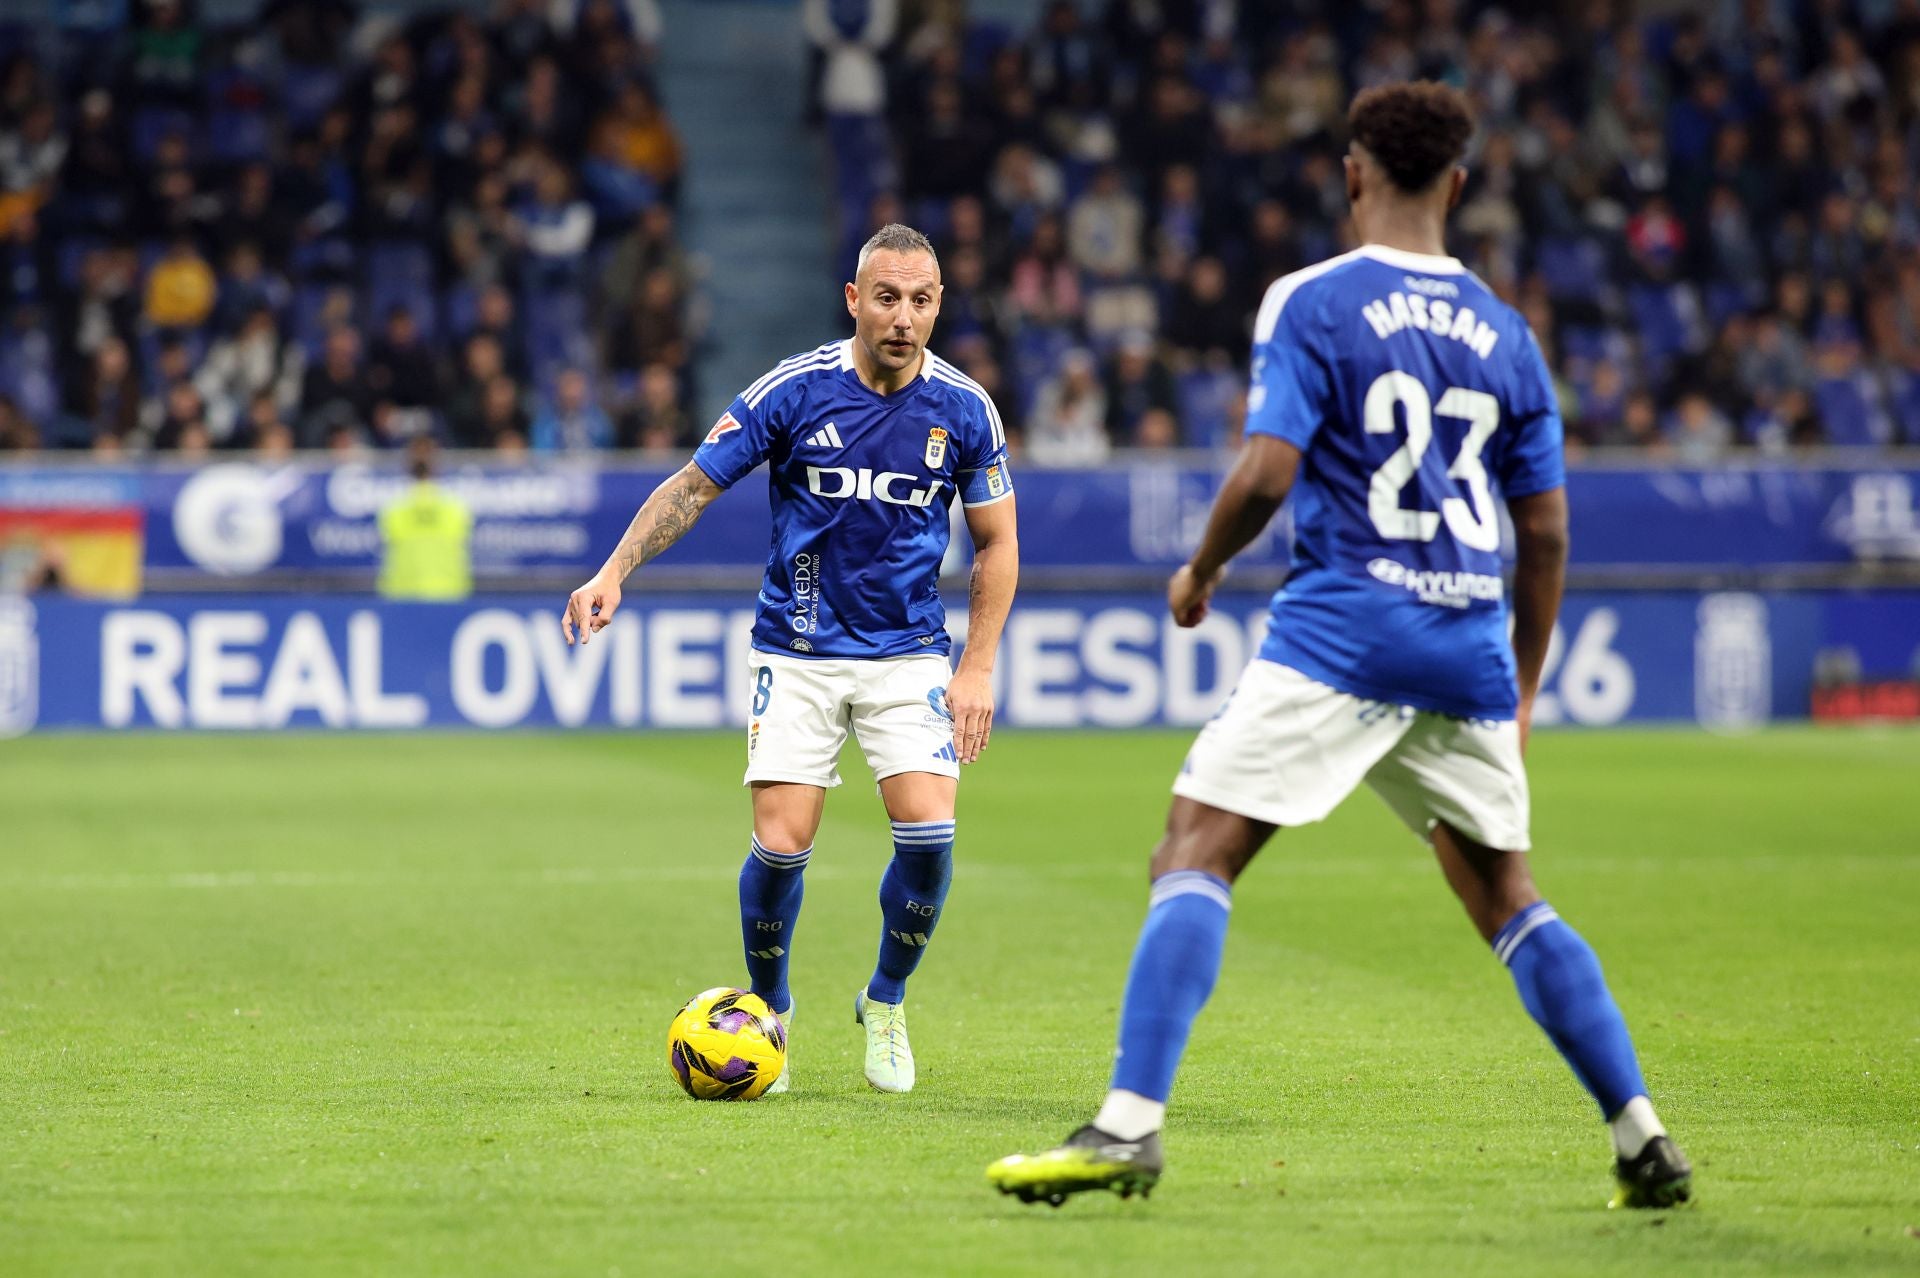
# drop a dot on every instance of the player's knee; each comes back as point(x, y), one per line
point(1205, 838)
point(782, 837)
point(1187, 850)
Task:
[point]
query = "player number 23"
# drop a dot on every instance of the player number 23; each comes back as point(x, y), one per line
point(1475, 524)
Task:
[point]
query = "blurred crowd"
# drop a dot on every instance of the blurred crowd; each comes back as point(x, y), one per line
point(330, 229)
point(333, 230)
point(1709, 218)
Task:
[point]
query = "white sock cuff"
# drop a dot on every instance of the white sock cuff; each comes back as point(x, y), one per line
point(781, 860)
point(1129, 1115)
point(1191, 883)
point(922, 834)
point(1634, 1126)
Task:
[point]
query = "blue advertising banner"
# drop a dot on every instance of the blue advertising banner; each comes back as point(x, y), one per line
point(238, 519)
point(1727, 659)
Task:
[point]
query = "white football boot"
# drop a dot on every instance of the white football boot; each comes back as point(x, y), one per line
point(889, 1056)
point(785, 1081)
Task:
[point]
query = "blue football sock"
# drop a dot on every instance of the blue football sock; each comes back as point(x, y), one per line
point(1561, 984)
point(1174, 967)
point(911, 894)
point(771, 884)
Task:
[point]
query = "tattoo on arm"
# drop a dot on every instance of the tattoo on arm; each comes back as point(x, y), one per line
point(673, 508)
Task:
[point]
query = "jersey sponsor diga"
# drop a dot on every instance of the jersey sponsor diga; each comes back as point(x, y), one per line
point(861, 484)
point(1419, 401)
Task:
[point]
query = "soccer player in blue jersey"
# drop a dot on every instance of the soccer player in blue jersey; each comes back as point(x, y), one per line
point(868, 441)
point(1397, 400)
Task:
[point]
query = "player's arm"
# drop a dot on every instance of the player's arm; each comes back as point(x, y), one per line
point(664, 518)
point(1259, 482)
point(996, 572)
point(1539, 576)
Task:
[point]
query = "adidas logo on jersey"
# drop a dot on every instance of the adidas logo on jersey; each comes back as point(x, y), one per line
point(946, 752)
point(826, 437)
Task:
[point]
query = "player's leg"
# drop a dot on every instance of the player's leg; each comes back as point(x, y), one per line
point(1176, 960)
point(796, 725)
point(786, 816)
point(1462, 783)
point(1563, 989)
point(899, 716)
point(1283, 751)
point(913, 892)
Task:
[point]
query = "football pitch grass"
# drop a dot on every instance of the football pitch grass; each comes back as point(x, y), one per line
point(398, 1004)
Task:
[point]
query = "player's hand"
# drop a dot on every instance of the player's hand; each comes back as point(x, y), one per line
point(590, 608)
point(1188, 595)
point(970, 701)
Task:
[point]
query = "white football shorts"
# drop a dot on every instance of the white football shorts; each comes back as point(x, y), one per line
point(1287, 750)
point(802, 710)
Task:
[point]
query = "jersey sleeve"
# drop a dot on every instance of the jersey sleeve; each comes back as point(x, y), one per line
point(738, 442)
point(1291, 391)
point(1535, 460)
point(981, 472)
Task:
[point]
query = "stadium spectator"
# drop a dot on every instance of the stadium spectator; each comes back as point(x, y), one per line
point(254, 361)
point(572, 422)
point(657, 421)
point(848, 36)
point(1138, 384)
point(404, 372)
point(183, 424)
point(1105, 228)
point(264, 428)
point(1068, 425)
point(1205, 322)
point(181, 287)
point(104, 401)
point(1701, 433)
point(17, 434)
point(502, 423)
point(336, 398)
point(497, 315)
point(651, 329)
point(482, 361)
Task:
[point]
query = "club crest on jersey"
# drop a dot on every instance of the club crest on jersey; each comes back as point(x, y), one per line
point(725, 425)
point(936, 448)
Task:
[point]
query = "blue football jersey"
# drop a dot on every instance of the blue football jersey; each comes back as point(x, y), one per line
point(1420, 402)
point(862, 486)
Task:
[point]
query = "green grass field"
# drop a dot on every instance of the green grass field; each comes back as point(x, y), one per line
point(398, 1005)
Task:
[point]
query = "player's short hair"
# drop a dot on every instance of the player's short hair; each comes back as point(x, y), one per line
point(895, 238)
point(1416, 132)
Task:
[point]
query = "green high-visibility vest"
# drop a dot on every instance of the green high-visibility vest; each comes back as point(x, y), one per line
point(424, 538)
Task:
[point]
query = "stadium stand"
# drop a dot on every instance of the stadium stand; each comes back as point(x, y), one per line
point(307, 229)
point(324, 228)
point(1709, 218)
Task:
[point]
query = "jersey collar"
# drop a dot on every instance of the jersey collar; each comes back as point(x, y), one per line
point(1425, 263)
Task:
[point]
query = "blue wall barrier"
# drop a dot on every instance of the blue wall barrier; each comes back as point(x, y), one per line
point(1071, 660)
point(239, 519)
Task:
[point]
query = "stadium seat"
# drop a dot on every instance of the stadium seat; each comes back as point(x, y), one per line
point(306, 325)
point(1205, 398)
point(459, 310)
point(306, 93)
point(1574, 269)
point(152, 125)
point(238, 137)
point(1036, 353)
point(1848, 417)
point(1661, 320)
